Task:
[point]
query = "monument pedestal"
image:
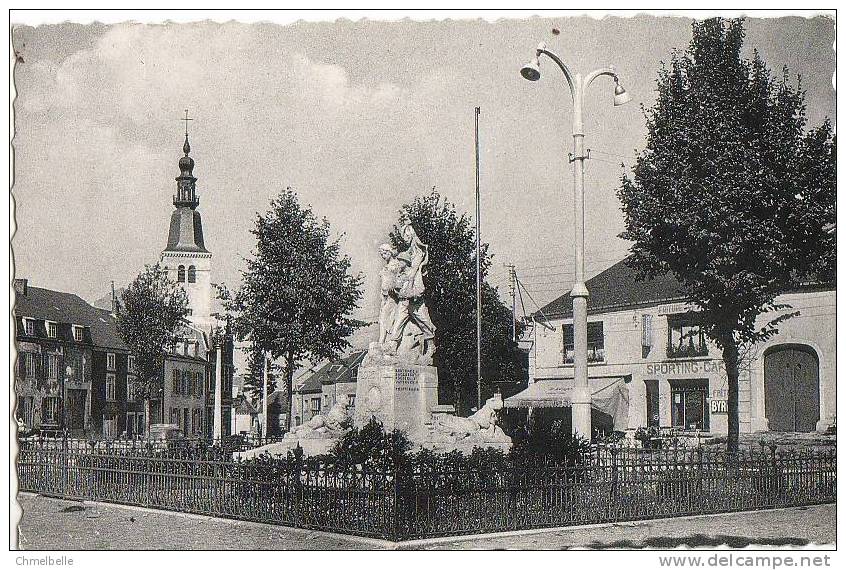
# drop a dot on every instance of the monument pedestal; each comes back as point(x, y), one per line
point(400, 396)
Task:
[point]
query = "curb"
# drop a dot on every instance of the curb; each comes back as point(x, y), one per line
point(391, 545)
point(548, 530)
point(379, 542)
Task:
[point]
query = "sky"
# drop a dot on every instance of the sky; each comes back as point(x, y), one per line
point(357, 117)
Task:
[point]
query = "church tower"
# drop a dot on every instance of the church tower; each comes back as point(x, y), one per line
point(185, 258)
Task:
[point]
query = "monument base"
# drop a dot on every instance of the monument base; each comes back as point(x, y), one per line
point(310, 448)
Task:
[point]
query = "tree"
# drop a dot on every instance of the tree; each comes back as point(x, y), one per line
point(451, 298)
point(731, 194)
point(254, 377)
point(150, 315)
point(296, 294)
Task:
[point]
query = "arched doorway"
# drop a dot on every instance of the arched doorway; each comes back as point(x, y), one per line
point(792, 388)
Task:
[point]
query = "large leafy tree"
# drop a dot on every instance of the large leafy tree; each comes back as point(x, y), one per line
point(733, 193)
point(151, 313)
point(297, 293)
point(451, 298)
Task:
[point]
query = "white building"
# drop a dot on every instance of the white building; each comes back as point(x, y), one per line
point(650, 365)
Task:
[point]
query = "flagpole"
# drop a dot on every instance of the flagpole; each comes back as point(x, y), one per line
point(478, 278)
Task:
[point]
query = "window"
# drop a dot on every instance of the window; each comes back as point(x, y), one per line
point(52, 329)
point(192, 274)
point(110, 361)
point(315, 405)
point(52, 367)
point(351, 399)
point(50, 410)
point(685, 338)
point(326, 401)
point(690, 404)
point(595, 342)
point(175, 387)
point(110, 386)
point(653, 417)
point(29, 327)
point(186, 414)
point(28, 365)
point(180, 274)
point(130, 364)
point(77, 333)
point(130, 389)
point(140, 424)
point(26, 411)
point(174, 416)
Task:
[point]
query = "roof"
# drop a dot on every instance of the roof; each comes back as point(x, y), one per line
point(334, 372)
point(616, 288)
point(60, 307)
point(186, 231)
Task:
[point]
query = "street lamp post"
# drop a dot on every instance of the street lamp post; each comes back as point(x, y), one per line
point(581, 396)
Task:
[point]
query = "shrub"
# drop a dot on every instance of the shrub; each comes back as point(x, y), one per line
point(371, 446)
point(551, 442)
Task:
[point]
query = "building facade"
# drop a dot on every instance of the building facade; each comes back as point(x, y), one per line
point(646, 349)
point(318, 391)
point(54, 368)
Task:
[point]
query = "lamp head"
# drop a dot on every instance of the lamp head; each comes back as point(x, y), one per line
point(621, 96)
point(531, 70)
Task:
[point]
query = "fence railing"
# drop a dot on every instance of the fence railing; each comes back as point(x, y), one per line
point(419, 502)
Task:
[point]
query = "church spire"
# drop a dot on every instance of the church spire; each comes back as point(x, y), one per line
point(186, 191)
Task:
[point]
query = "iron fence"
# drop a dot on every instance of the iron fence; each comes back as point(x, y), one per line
point(437, 497)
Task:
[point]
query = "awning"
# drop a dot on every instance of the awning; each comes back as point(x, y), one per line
point(608, 395)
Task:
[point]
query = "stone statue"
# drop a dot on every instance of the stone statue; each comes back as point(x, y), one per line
point(479, 428)
point(388, 277)
point(413, 333)
point(331, 425)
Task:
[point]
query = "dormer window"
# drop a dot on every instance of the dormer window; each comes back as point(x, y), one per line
point(52, 329)
point(28, 326)
point(77, 333)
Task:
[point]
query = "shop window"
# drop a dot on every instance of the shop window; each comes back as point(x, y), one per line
point(653, 416)
point(595, 342)
point(690, 404)
point(130, 424)
point(685, 338)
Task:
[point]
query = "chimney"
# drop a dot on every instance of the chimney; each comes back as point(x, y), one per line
point(21, 286)
point(114, 299)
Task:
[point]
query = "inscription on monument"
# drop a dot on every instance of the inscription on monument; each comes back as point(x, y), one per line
point(406, 381)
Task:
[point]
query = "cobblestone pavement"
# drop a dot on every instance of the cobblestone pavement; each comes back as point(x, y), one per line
point(54, 524)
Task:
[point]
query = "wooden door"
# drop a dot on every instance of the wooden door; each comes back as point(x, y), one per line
point(791, 389)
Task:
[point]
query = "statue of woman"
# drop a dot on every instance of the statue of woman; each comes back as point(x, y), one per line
point(411, 307)
point(388, 277)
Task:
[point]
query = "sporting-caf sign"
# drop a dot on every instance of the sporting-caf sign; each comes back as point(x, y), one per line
point(684, 368)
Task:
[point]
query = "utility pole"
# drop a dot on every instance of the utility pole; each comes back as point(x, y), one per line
point(217, 432)
point(478, 277)
point(512, 290)
point(266, 365)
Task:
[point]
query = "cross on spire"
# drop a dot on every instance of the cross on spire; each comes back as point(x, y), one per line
point(186, 119)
